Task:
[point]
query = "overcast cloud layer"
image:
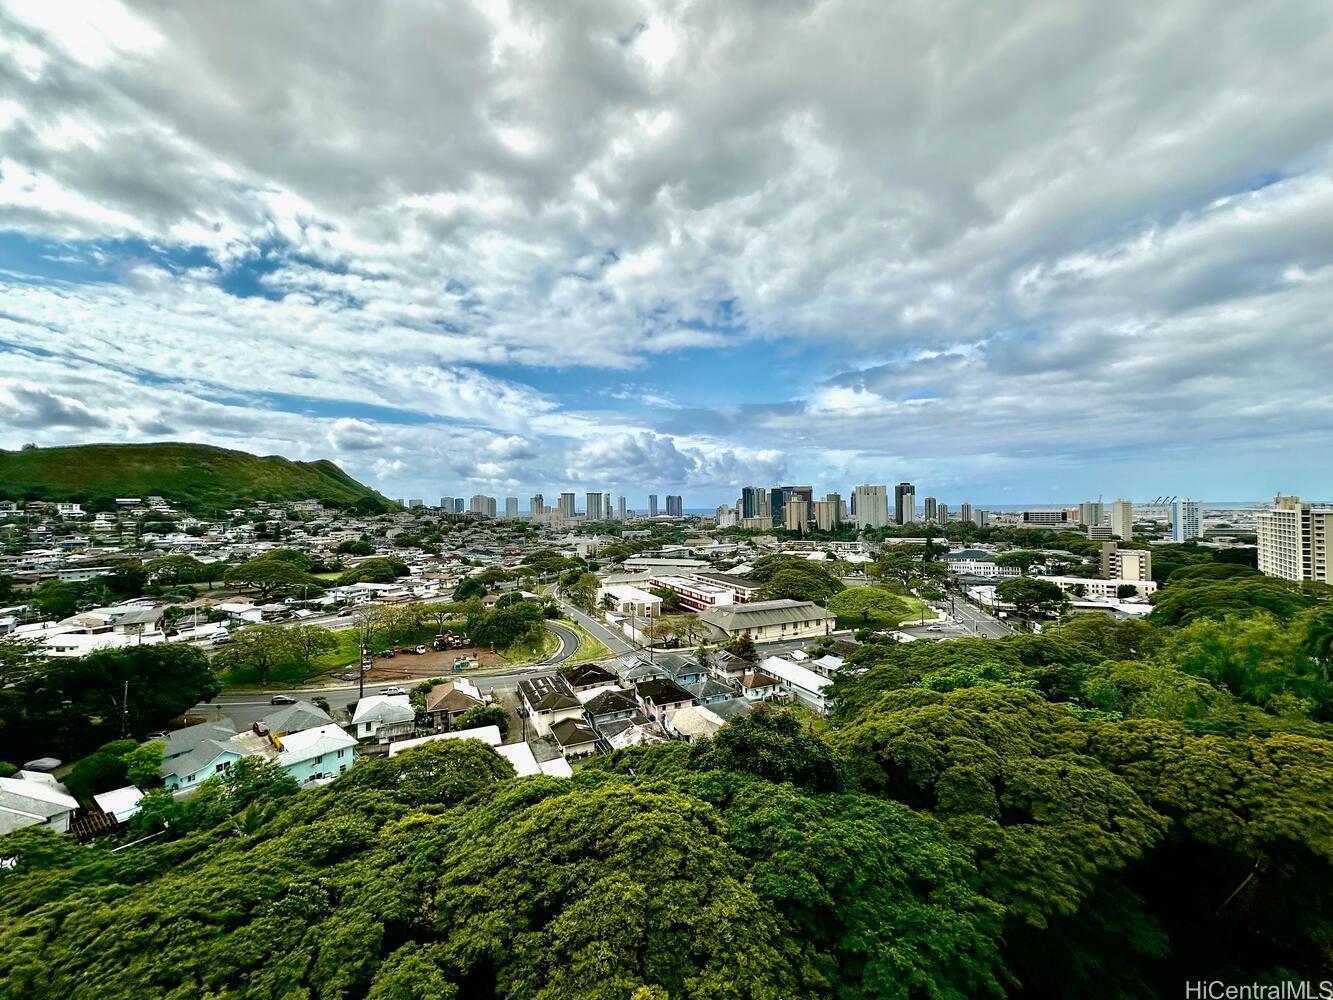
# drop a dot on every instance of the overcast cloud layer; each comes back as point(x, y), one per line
point(1012, 253)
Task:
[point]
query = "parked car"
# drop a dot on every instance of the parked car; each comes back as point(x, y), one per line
point(282, 699)
point(220, 639)
point(418, 650)
point(344, 612)
point(393, 691)
point(934, 628)
point(389, 654)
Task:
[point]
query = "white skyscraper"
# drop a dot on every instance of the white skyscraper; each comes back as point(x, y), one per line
point(870, 506)
point(1122, 520)
point(1295, 540)
point(1186, 520)
point(566, 505)
point(620, 508)
point(1091, 512)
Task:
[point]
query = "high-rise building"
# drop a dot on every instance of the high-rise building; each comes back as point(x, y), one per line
point(620, 509)
point(1122, 520)
point(607, 511)
point(447, 504)
point(1099, 532)
point(483, 505)
point(416, 503)
point(511, 506)
point(1091, 512)
point(566, 505)
point(932, 510)
point(796, 515)
point(537, 505)
point(593, 506)
point(460, 505)
point(942, 512)
point(754, 501)
point(828, 512)
point(726, 516)
point(981, 518)
point(1125, 564)
point(1186, 520)
point(675, 505)
point(870, 506)
point(904, 503)
point(965, 512)
point(1295, 540)
point(652, 504)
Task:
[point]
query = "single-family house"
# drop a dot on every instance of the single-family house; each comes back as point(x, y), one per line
point(446, 702)
point(25, 803)
point(610, 705)
point(295, 719)
point(196, 753)
point(315, 755)
point(382, 716)
point(549, 700)
point(658, 697)
point(811, 689)
point(756, 685)
point(122, 803)
point(587, 676)
point(575, 738)
point(694, 723)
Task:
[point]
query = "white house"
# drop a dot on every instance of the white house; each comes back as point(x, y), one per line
point(376, 711)
point(549, 700)
point(122, 803)
point(810, 688)
point(26, 803)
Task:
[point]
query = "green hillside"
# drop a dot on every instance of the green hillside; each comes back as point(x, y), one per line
point(198, 477)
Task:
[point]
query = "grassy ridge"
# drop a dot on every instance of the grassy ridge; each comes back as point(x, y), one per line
point(198, 477)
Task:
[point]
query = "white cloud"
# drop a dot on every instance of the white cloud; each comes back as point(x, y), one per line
point(1007, 232)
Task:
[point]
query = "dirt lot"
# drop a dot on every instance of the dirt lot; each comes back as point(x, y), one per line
point(409, 666)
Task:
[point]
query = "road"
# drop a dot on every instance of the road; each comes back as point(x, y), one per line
point(618, 644)
point(978, 622)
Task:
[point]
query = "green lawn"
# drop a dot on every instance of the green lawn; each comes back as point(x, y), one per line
point(344, 655)
point(881, 620)
point(590, 648)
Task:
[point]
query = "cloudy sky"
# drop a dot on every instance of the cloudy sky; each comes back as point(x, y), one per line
point(1014, 253)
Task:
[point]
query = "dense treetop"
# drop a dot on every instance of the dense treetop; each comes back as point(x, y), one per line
point(1105, 808)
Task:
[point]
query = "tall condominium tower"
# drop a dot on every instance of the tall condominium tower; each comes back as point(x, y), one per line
point(870, 506)
point(904, 502)
point(1186, 520)
point(932, 510)
point(652, 504)
point(1122, 520)
point(593, 506)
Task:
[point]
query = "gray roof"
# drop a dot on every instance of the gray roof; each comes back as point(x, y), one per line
point(611, 701)
point(548, 694)
point(736, 617)
point(731, 708)
point(296, 718)
point(571, 732)
point(182, 741)
point(198, 758)
point(708, 688)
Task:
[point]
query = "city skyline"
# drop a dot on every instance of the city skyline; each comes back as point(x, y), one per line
point(574, 261)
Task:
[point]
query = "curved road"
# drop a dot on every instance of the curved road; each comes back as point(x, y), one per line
point(569, 643)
